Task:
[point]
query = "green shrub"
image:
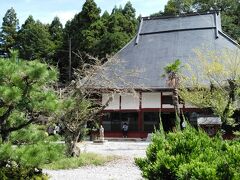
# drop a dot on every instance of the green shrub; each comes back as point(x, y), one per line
point(190, 154)
point(14, 172)
point(28, 149)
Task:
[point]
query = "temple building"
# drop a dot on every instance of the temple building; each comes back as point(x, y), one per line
point(160, 41)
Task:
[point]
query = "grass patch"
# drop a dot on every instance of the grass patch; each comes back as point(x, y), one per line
point(83, 160)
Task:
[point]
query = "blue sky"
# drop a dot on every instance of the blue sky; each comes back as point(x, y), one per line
point(46, 10)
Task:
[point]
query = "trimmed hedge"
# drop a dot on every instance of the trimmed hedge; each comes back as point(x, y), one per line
point(190, 154)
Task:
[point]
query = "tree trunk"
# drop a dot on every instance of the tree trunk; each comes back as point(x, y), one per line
point(71, 143)
point(178, 121)
point(227, 111)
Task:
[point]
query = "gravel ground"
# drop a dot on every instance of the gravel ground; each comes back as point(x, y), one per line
point(123, 168)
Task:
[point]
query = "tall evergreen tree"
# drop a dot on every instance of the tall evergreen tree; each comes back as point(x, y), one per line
point(8, 34)
point(56, 31)
point(34, 41)
point(105, 17)
point(96, 35)
point(90, 13)
point(82, 21)
point(56, 36)
point(116, 35)
point(129, 11)
point(84, 30)
point(89, 25)
point(121, 27)
point(117, 9)
point(93, 27)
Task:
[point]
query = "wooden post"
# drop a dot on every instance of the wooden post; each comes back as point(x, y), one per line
point(140, 114)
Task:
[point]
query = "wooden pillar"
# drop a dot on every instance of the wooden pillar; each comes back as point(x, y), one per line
point(140, 114)
point(120, 102)
point(161, 97)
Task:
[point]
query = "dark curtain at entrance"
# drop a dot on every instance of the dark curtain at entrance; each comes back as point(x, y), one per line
point(113, 121)
point(150, 121)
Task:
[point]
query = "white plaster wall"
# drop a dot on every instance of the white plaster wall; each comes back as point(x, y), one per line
point(130, 101)
point(187, 105)
point(180, 105)
point(114, 104)
point(151, 100)
point(167, 93)
point(171, 106)
point(167, 106)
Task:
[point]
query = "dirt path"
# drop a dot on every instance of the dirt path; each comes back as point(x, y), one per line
point(123, 168)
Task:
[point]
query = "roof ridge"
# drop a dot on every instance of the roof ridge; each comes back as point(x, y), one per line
point(229, 38)
point(179, 15)
point(178, 30)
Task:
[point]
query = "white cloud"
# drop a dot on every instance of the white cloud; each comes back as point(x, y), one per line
point(146, 8)
point(143, 7)
point(46, 10)
point(64, 16)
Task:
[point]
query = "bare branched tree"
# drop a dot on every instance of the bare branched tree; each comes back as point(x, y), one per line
point(82, 98)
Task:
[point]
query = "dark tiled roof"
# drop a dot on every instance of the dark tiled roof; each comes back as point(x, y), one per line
point(160, 41)
point(178, 23)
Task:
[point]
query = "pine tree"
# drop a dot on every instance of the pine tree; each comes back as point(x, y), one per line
point(8, 35)
point(25, 94)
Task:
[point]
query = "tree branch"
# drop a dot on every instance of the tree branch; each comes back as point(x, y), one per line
point(6, 114)
point(11, 107)
point(11, 129)
point(1, 103)
point(97, 111)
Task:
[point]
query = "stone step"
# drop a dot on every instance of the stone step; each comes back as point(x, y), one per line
point(123, 139)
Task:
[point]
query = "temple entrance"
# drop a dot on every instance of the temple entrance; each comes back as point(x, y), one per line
point(113, 121)
point(168, 119)
point(150, 121)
